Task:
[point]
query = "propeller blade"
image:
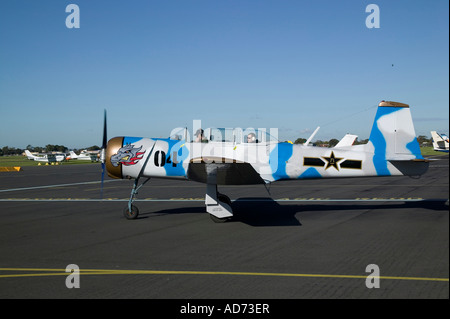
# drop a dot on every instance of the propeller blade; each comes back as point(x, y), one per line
point(103, 153)
point(104, 131)
point(103, 178)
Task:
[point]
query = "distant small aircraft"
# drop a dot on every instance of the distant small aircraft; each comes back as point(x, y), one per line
point(246, 157)
point(440, 141)
point(347, 140)
point(47, 158)
point(84, 156)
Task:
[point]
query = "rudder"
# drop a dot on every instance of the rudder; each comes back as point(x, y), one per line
point(393, 135)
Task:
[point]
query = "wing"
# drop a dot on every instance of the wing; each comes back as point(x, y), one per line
point(222, 171)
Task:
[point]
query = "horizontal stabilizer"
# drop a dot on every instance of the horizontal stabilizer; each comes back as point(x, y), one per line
point(411, 167)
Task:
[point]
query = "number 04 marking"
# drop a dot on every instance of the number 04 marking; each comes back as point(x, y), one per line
point(161, 160)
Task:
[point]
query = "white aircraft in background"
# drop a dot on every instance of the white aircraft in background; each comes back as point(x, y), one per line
point(440, 141)
point(85, 156)
point(347, 140)
point(47, 158)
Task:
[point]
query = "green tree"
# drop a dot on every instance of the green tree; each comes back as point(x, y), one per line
point(333, 142)
point(423, 140)
point(55, 148)
point(300, 140)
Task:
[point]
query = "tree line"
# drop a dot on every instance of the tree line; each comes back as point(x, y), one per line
point(49, 148)
point(331, 143)
point(422, 139)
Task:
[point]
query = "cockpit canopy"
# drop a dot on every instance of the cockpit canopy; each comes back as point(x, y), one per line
point(227, 135)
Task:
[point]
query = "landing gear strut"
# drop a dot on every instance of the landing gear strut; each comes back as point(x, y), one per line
point(131, 211)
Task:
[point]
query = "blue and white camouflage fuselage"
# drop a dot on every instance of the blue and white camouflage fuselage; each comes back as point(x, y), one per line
point(392, 150)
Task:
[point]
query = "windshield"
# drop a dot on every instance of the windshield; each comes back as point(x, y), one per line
point(179, 134)
point(258, 136)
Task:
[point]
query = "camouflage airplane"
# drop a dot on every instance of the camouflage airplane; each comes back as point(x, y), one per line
point(246, 157)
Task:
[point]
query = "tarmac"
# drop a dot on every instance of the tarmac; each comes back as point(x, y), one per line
point(361, 238)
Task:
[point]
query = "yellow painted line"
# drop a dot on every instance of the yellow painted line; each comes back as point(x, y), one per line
point(10, 169)
point(62, 272)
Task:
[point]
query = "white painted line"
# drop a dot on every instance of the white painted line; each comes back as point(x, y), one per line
point(52, 186)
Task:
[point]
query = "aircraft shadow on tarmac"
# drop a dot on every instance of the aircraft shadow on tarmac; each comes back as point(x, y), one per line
point(251, 211)
point(268, 212)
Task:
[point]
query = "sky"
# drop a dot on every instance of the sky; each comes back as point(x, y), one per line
point(158, 65)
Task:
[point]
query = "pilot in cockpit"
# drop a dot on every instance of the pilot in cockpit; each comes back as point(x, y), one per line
point(199, 137)
point(251, 138)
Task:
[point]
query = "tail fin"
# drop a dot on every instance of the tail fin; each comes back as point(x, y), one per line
point(29, 155)
point(393, 134)
point(440, 141)
point(73, 155)
point(394, 140)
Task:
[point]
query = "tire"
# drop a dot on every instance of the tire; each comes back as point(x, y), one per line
point(219, 220)
point(131, 215)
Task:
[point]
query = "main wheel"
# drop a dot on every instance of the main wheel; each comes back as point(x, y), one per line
point(219, 220)
point(133, 214)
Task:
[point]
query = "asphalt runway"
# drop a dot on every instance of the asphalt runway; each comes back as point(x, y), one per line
point(309, 239)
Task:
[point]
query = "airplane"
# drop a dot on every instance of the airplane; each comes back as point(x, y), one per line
point(440, 142)
point(248, 157)
point(48, 158)
point(84, 156)
point(347, 140)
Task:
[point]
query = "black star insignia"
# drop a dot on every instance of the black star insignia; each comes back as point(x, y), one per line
point(332, 161)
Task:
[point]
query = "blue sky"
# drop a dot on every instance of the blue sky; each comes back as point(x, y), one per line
point(157, 65)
